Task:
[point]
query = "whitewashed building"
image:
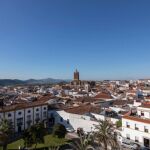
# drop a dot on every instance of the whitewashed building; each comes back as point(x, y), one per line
point(74, 118)
point(136, 127)
point(22, 116)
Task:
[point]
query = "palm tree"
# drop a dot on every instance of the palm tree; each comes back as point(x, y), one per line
point(85, 143)
point(104, 135)
point(37, 132)
point(5, 132)
point(27, 137)
point(34, 135)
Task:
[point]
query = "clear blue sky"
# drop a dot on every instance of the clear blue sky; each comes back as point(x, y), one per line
point(104, 39)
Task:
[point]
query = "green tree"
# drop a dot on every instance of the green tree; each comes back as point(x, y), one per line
point(34, 135)
point(5, 132)
point(38, 133)
point(27, 137)
point(85, 142)
point(59, 130)
point(105, 136)
point(119, 124)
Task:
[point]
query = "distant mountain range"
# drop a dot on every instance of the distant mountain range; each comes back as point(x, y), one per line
point(10, 82)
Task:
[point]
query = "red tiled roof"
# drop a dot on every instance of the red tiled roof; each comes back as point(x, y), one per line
point(86, 99)
point(122, 102)
point(136, 119)
point(41, 101)
point(83, 109)
point(145, 105)
point(103, 95)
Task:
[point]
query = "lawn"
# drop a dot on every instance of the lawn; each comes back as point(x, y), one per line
point(49, 140)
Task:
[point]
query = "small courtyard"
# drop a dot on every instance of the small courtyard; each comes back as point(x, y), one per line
point(49, 141)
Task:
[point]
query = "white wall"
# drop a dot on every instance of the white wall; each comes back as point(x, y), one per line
point(98, 117)
point(102, 117)
point(146, 112)
point(75, 121)
point(23, 114)
point(132, 132)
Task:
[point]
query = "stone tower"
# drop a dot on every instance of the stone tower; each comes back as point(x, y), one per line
point(76, 75)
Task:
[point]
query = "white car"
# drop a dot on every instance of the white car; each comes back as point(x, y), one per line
point(131, 145)
point(70, 130)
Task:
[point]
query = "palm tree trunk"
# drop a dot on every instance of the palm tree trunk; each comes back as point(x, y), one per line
point(35, 145)
point(5, 147)
point(105, 145)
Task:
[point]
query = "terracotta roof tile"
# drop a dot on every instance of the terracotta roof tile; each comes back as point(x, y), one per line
point(137, 119)
point(103, 95)
point(83, 109)
point(41, 101)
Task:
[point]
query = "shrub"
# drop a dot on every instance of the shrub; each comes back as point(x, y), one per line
point(59, 130)
point(119, 123)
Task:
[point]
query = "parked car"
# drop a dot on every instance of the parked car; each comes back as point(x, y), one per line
point(70, 130)
point(130, 145)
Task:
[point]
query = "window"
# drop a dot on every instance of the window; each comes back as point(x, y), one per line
point(67, 121)
point(52, 115)
point(136, 139)
point(127, 124)
point(28, 125)
point(128, 136)
point(37, 119)
point(10, 121)
point(29, 111)
point(37, 115)
point(37, 109)
point(145, 129)
point(29, 117)
point(136, 128)
point(44, 108)
point(19, 113)
point(9, 115)
point(61, 119)
point(142, 113)
point(20, 121)
point(44, 114)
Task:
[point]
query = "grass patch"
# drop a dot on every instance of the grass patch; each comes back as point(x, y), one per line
point(16, 144)
point(1, 148)
point(49, 140)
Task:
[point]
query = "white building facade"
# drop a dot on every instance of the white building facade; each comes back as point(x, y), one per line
point(137, 128)
point(24, 117)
